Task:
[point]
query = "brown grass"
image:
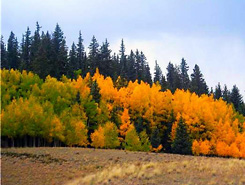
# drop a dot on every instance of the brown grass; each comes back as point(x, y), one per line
point(94, 166)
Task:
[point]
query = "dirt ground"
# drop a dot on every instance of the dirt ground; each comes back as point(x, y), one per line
point(97, 166)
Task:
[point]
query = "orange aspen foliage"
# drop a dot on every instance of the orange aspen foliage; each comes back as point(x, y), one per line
point(125, 123)
point(158, 149)
point(98, 138)
point(204, 147)
point(222, 148)
point(56, 129)
point(234, 151)
point(196, 148)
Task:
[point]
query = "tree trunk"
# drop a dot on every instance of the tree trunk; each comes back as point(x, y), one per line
point(25, 138)
point(34, 141)
point(12, 142)
point(38, 142)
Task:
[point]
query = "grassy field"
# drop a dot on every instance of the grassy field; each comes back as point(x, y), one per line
point(96, 166)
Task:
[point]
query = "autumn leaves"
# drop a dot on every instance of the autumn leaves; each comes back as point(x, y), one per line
point(134, 117)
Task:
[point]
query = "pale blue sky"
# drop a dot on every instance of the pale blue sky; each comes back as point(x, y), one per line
point(210, 33)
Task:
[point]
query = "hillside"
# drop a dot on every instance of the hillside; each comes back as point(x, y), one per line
point(97, 166)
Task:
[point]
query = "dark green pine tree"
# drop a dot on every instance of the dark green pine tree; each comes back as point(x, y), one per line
point(218, 92)
point(43, 62)
point(155, 138)
point(81, 59)
point(173, 77)
point(236, 97)
point(147, 74)
point(131, 72)
point(105, 62)
point(242, 109)
point(116, 67)
point(93, 58)
point(182, 142)
point(59, 53)
point(63, 59)
point(13, 52)
point(198, 84)
point(211, 91)
point(142, 67)
point(138, 65)
point(73, 61)
point(157, 73)
point(4, 61)
point(166, 137)
point(226, 94)
point(144, 70)
point(170, 76)
point(26, 51)
point(36, 42)
point(184, 77)
point(123, 61)
point(95, 91)
point(163, 83)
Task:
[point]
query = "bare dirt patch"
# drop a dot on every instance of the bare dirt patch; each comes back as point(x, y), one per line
point(97, 166)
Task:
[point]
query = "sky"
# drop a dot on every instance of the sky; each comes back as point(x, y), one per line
point(210, 33)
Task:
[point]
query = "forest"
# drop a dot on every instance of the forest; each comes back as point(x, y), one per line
point(92, 111)
point(54, 97)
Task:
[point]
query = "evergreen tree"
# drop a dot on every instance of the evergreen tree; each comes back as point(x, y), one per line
point(211, 91)
point(173, 77)
point(242, 109)
point(73, 61)
point(218, 92)
point(4, 62)
point(131, 71)
point(226, 94)
point(81, 54)
point(184, 77)
point(236, 97)
point(155, 138)
point(182, 143)
point(163, 83)
point(43, 62)
point(166, 138)
point(123, 61)
point(26, 50)
point(59, 53)
point(105, 63)
point(93, 55)
point(115, 66)
point(36, 44)
point(198, 84)
point(95, 91)
point(62, 59)
point(147, 74)
point(13, 52)
point(157, 73)
point(142, 67)
point(137, 65)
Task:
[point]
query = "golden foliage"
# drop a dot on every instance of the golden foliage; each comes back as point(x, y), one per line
point(98, 138)
point(33, 107)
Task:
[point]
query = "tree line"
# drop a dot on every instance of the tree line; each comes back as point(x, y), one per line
point(95, 111)
point(47, 54)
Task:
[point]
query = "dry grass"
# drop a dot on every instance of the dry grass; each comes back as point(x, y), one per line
point(129, 171)
point(90, 166)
